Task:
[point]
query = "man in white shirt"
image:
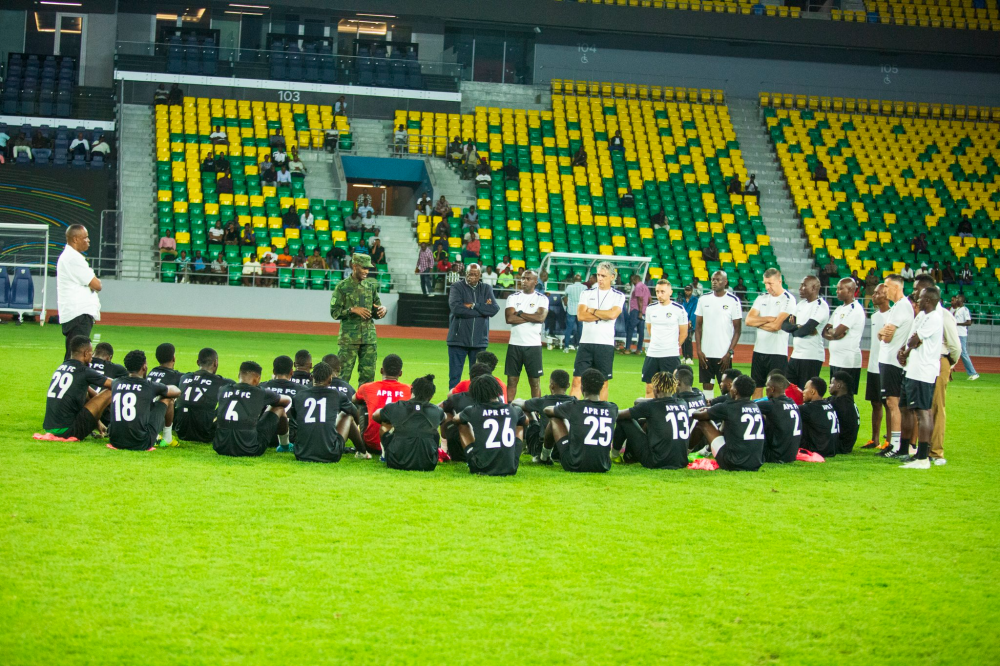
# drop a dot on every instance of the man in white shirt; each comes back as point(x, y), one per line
point(307, 220)
point(525, 312)
point(768, 312)
point(79, 146)
point(951, 352)
point(365, 209)
point(284, 176)
point(598, 309)
point(893, 336)
point(963, 318)
point(574, 327)
point(490, 276)
point(806, 328)
point(844, 332)
point(922, 357)
point(718, 323)
point(873, 388)
point(218, 136)
point(667, 324)
point(77, 287)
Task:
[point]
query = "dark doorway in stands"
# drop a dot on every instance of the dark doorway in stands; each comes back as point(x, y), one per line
point(387, 198)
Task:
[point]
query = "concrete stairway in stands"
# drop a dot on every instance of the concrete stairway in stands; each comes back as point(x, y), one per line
point(537, 98)
point(776, 206)
point(401, 251)
point(372, 138)
point(138, 173)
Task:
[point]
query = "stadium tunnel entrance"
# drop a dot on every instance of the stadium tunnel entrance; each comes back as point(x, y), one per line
point(393, 185)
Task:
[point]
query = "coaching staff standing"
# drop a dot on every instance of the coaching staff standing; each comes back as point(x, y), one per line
point(76, 287)
point(471, 304)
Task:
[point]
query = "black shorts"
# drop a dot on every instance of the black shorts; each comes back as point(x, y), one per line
point(157, 418)
point(762, 365)
point(917, 394)
point(267, 429)
point(713, 373)
point(83, 425)
point(890, 381)
point(195, 425)
point(801, 370)
point(873, 389)
point(599, 357)
point(528, 358)
point(855, 374)
point(653, 365)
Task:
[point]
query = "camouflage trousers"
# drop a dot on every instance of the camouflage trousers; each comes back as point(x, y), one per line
point(365, 355)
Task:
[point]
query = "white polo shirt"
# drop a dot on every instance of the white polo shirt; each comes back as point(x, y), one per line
point(924, 363)
point(664, 324)
point(718, 314)
point(527, 335)
point(810, 347)
point(74, 296)
point(874, 345)
point(846, 352)
point(766, 305)
point(962, 315)
point(600, 332)
point(900, 316)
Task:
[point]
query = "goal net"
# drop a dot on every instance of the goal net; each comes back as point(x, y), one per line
point(26, 258)
point(561, 266)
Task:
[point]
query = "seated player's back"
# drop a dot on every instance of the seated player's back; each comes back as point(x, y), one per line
point(67, 396)
point(496, 448)
point(377, 395)
point(135, 419)
point(743, 432)
point(694, 399)
point(849, 420)
point(196, 408)
point(415, 438)
point(820, 428)
point(316, 410)
point(239, 413)
point(591, 429)
point(668, 431)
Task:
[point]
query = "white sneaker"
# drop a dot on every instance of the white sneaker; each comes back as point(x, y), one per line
point(974, 377)
point(917, 464)
point(940, 461)
point(565, 350)
point(705, 452)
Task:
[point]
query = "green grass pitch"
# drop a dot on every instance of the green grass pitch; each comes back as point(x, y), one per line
point(181, 556)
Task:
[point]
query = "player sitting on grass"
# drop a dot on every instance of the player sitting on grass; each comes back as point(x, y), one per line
point(325, 418)
point(534, 409)
point(725, 386)
point(249, 417)
point(782, 421)
point(848, 417)
point(490, 360)
point(696, 401)
point(410, 429)
point(102, 362)
point(376, 395)
point(72, 408)
point(740, 444)
point(452, 407)
point(194, 411)
point(303, 368)
point(582, 430)
point(491, 431)
point(820, 427)
point(655, 432)
point(283, 383)
point(165, 373)
point(137, 417)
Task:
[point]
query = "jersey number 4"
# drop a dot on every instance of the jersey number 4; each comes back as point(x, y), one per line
point(755, 427)
point(601, 427)
point(506, 433)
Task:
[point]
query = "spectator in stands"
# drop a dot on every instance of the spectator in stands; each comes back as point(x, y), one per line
point(471, 165)
point(456, 273)
point(377, 253)
point(580, 157)
point(711, 252)
point(307, 220)
point(22, 145)
point(505, 283)
point(269, 269)
point(740, 290)
point(443, 265)
point(504, 264)
point(828, 272)
point(750, 189)
point(920, 245)
point(100, 147)
point(232, 236)
point(374, 237)
point(543, 278)
point(965, 228)
point(331, 138)
point(340, 106)
point(300, 259)
point(617, 142)
point(948, 274)
point(79, 146)
point(858, 282)
point(218, 137)
point(470, 220)
point(4, 138)
point(659, 219)
point(936, 273)
point(400, 139)
point(734, 185)
point(819, 174)
point(224, 185)
point(484, 175)
point(510, 171)
point(284, 259)
point(296, 166)
point(168, 246)
point(442, 231)
point(216, 234)
point(248, 238)
point(353, 222)
point(208, 164)
point(290, 218)
point(627, 200)
point(696, 288)
point(276, 142)
point(454, 154)
point(176, 96)
point(423, 207)
point(284, 176)
point(365, 209)
point(184, 267)
point(368, 224)
point(469, 146)
point(251, 270)
point(160, 95)
point(222, 163)
point(966, 275)
point(425, 264)
point(198, 268)
point(335, 257)
point(360, 248)
point(220, 270)
point(316, 260)
point(39, 140)
point(871, 281)
point(471, 249)
point(279, 157)
point(266, 170)
point(443, 208)
point(490, 276)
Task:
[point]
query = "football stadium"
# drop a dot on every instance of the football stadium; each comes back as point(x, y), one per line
point(537, 331)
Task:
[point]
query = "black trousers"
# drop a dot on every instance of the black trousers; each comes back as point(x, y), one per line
point(77, 326)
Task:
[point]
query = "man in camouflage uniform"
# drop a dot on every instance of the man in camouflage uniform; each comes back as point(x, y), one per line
point(357, 305)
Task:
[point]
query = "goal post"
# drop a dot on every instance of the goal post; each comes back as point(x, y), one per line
point(561, 266)
point(25, 253)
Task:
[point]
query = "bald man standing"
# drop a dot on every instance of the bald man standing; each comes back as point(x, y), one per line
point(77, 287)
point(806, 327)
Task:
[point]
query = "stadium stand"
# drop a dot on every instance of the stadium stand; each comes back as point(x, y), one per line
point(51, 146)
point(39, 85)
point(188, 203)
point(680, 152)
point(746, 7)
point(896, 170)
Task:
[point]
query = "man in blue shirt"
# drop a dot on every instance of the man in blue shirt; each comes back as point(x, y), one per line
point(574, 328)
point(690, 303)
